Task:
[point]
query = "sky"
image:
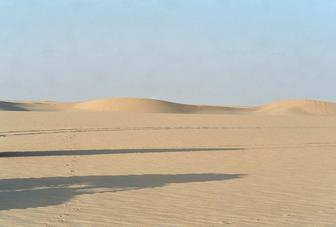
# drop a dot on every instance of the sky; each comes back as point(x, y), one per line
point(242, 52)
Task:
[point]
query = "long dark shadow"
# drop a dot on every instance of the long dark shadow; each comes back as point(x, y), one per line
point(111, 151)
point(23, 193)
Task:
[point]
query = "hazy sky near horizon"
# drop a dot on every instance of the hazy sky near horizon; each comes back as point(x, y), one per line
point(193, 51)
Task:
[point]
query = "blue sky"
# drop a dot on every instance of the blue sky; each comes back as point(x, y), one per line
point(211, 51)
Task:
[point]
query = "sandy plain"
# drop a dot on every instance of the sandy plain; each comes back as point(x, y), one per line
point(131, 162)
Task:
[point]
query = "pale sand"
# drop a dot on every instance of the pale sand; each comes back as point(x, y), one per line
point(272, 165)
point(138, 105)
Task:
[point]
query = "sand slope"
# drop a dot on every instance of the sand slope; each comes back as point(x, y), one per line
point(138, 105)
point(299, 107)
point(149, 106)
point(134, 105)
point(82, 168)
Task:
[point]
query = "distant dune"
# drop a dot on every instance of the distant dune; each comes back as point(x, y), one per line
point(299, 107)
point(134, 105)
point(149, 106)
point(138, 105)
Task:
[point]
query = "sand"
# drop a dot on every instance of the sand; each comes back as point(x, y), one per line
point(138, 162)
point(140, 105)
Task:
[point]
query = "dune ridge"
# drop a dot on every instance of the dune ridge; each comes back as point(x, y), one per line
point(149, 106)
point(298, 106)
point(142, 105)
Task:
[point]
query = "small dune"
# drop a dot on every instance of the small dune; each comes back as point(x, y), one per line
point(133, 105)
point(313, 107)
point(149, 106)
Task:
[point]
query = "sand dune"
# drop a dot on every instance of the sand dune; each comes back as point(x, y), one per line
point(299, 107)
point(134, 105)
point(149, 106)
point(138, 105)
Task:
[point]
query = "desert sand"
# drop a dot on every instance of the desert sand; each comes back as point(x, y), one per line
point(143, 162)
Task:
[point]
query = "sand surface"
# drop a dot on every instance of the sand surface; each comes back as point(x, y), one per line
point(131, 162)
point(138, 105)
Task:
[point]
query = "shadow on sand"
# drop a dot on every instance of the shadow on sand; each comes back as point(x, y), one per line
point(23, 193)
point(109, 151)
point(11, 106)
